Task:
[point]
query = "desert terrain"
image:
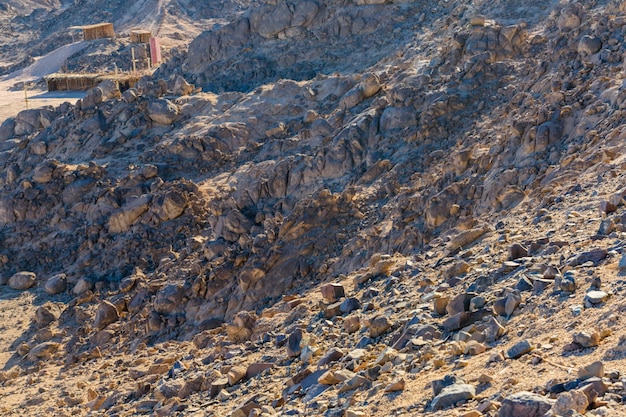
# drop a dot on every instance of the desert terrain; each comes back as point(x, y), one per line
point(337, 208)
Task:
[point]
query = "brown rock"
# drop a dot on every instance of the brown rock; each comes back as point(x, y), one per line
point(236, 374)
point(217, 385)
point(256, 368)
point(396, 385)
point(332, 355)
point(517, 251)
point(456, 322)
point(332, 292)
point(46, 314)
point(586, 339)
point(352, 323)
point(593, 369)
point(379, 325)
point(568, 401)
point(335, 377)
point(106, 314)
point(43, 351)
point(440, 303)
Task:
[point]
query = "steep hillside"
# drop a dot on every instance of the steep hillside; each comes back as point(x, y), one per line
point(362, 208)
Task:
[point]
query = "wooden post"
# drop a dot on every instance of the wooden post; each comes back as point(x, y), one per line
point(132, 54)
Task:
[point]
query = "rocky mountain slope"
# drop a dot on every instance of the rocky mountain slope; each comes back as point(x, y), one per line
point(370, 208)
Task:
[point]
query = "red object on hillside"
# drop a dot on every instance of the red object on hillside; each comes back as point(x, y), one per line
point(155, 51)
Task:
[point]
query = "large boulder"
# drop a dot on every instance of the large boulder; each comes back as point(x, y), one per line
point(22, 280)
point(162, 111)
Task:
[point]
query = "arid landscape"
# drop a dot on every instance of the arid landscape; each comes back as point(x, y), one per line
point(338, 208)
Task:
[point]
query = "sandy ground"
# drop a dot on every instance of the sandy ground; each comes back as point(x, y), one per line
point(12, 102)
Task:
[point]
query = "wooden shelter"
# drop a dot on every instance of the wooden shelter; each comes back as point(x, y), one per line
point(140, 36)
point(77, 82)
point(97, 31)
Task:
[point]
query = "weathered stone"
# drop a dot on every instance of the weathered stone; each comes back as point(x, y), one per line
point(352, 323)
point(169, 298)
point(593, 369)
point(332, 355)
point(439, 384)
point(56, 284)
point(525, 404)
point(451, 395)
point(121, 220)
point(162, 111)
point(517, 251)
point(595, 297)
point(593, 387)
point(493, 330)
point(332, 310)
point(46, 314)
point(594, 256)
point(520, 348)
point(467, 237)
point(622, 263)
point(379, 325)
point(456, 322)
point(236, 374)
point(217, 385)
point(586, 339)
point(173, 206)
point(106, 314)
point(589, 45)
point(440, 304)
point(22, 280)
point(257, 368)
point(460, 303)
point(332, 292)
point(357, 381)
point(335, 377)
point(349, 304)
point(43, 351)
point(568, 401)
point(474, 348)
point(396, 385)
point(82, 286)
point(293, 343)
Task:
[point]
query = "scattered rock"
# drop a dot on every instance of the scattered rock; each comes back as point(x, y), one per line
point(596, 297)
point(379, 325)
point(46, 314)
point(106, 314)
point(569, 401)
point(520, 348)
point(56, 284)
point(595, 369)
point(236, 374)
point(332, 292)
point(451, 395)
point(22, 280)
point(525, 404)
point(586, 339)
point(396, 385)
point(517, 251)
point(162, 111)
